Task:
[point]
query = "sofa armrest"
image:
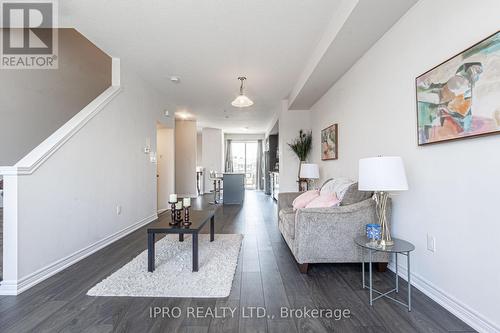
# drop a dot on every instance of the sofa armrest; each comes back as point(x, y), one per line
point(285, 199)
point(331, 231)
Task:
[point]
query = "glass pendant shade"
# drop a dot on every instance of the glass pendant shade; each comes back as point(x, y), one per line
point(242, 101)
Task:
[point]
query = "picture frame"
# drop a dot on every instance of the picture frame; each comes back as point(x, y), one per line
point(329, 143)
point(456, 99)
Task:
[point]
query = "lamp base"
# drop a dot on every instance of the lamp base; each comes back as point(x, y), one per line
point(384, 242)
point(381, 200)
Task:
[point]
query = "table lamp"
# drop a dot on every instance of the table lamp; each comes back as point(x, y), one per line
point(382, 175)
point(309, 171)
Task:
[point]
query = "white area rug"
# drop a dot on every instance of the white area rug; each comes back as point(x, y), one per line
point(173, 276)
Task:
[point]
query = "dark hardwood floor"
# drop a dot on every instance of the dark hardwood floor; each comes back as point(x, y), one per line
point(266, 276)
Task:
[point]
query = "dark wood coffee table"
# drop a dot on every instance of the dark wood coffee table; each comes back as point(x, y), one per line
point(198, 220)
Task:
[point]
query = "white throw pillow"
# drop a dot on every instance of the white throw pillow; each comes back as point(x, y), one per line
point(337, 186)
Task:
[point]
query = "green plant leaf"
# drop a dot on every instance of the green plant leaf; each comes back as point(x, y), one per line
point(302, 145)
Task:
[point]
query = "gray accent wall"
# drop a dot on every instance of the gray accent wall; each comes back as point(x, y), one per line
point(35, 103)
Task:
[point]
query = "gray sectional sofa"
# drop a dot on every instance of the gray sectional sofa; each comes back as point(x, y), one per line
point(325, 235)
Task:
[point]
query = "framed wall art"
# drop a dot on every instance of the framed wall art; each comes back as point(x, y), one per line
point(329, 143)
point(460, 98)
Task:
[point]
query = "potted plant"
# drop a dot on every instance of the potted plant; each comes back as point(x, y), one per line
point(302, 146)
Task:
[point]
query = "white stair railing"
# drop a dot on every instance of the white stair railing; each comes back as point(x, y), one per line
point(11, 284)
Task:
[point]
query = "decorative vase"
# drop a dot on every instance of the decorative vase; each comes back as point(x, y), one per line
point(300, 167)
point(373, 233)
point(302, 182)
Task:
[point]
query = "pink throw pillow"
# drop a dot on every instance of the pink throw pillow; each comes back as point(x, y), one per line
point(324, 200)
point(304, 199)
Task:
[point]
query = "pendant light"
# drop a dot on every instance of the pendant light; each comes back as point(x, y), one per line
point(242, 101)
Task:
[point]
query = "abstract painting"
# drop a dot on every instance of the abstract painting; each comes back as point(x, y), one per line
point(460, 98)
point(329, 143)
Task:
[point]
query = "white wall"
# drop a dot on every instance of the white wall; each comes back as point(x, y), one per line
point(213, 153)
point(166, 166)
point(273, 124)
point(185, 157)
point(453, 185)
point(290, 123)
point(68, 207)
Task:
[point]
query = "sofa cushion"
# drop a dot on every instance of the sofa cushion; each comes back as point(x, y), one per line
point(324, 201)
point(288, 223)
point(338, 186)
point(304, 199)
point(352, 195)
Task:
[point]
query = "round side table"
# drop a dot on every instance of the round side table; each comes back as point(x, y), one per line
point(400, 247)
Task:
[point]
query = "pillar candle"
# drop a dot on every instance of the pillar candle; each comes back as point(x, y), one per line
point(173, 197)
point(187, 202)
point(178, 206)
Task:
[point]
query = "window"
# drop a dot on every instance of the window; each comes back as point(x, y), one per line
point(245, 161)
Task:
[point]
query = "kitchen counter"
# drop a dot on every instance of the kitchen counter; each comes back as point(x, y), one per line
point(234, 188)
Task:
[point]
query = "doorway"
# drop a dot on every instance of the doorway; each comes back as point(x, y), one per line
point(165, 166)
point(245, 161)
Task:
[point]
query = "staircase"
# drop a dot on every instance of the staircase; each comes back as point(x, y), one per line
point(68, 98)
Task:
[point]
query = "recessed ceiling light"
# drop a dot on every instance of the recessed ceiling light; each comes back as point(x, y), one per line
point(184, 115)
point(175, 79)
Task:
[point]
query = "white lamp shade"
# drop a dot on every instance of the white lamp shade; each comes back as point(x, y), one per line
point(385, 173)
point(309, 171)
point(242, 101)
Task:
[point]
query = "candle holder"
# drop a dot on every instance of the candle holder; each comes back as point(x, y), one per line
point(187, 222)
point(172, 212)
point(178, 216)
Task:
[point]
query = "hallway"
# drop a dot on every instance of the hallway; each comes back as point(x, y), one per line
point(266, 276)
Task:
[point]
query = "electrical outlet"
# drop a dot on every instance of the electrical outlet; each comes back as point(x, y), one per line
point(431, 243)
point(118, 210)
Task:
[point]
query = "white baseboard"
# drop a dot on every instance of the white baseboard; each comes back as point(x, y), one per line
point(462, 311)
point(23, 284)
point(8, 288)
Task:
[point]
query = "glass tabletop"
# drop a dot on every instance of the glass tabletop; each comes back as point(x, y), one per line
point(399, 245)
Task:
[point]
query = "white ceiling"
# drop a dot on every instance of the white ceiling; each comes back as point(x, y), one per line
point(351, 33)
point(209, 43)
